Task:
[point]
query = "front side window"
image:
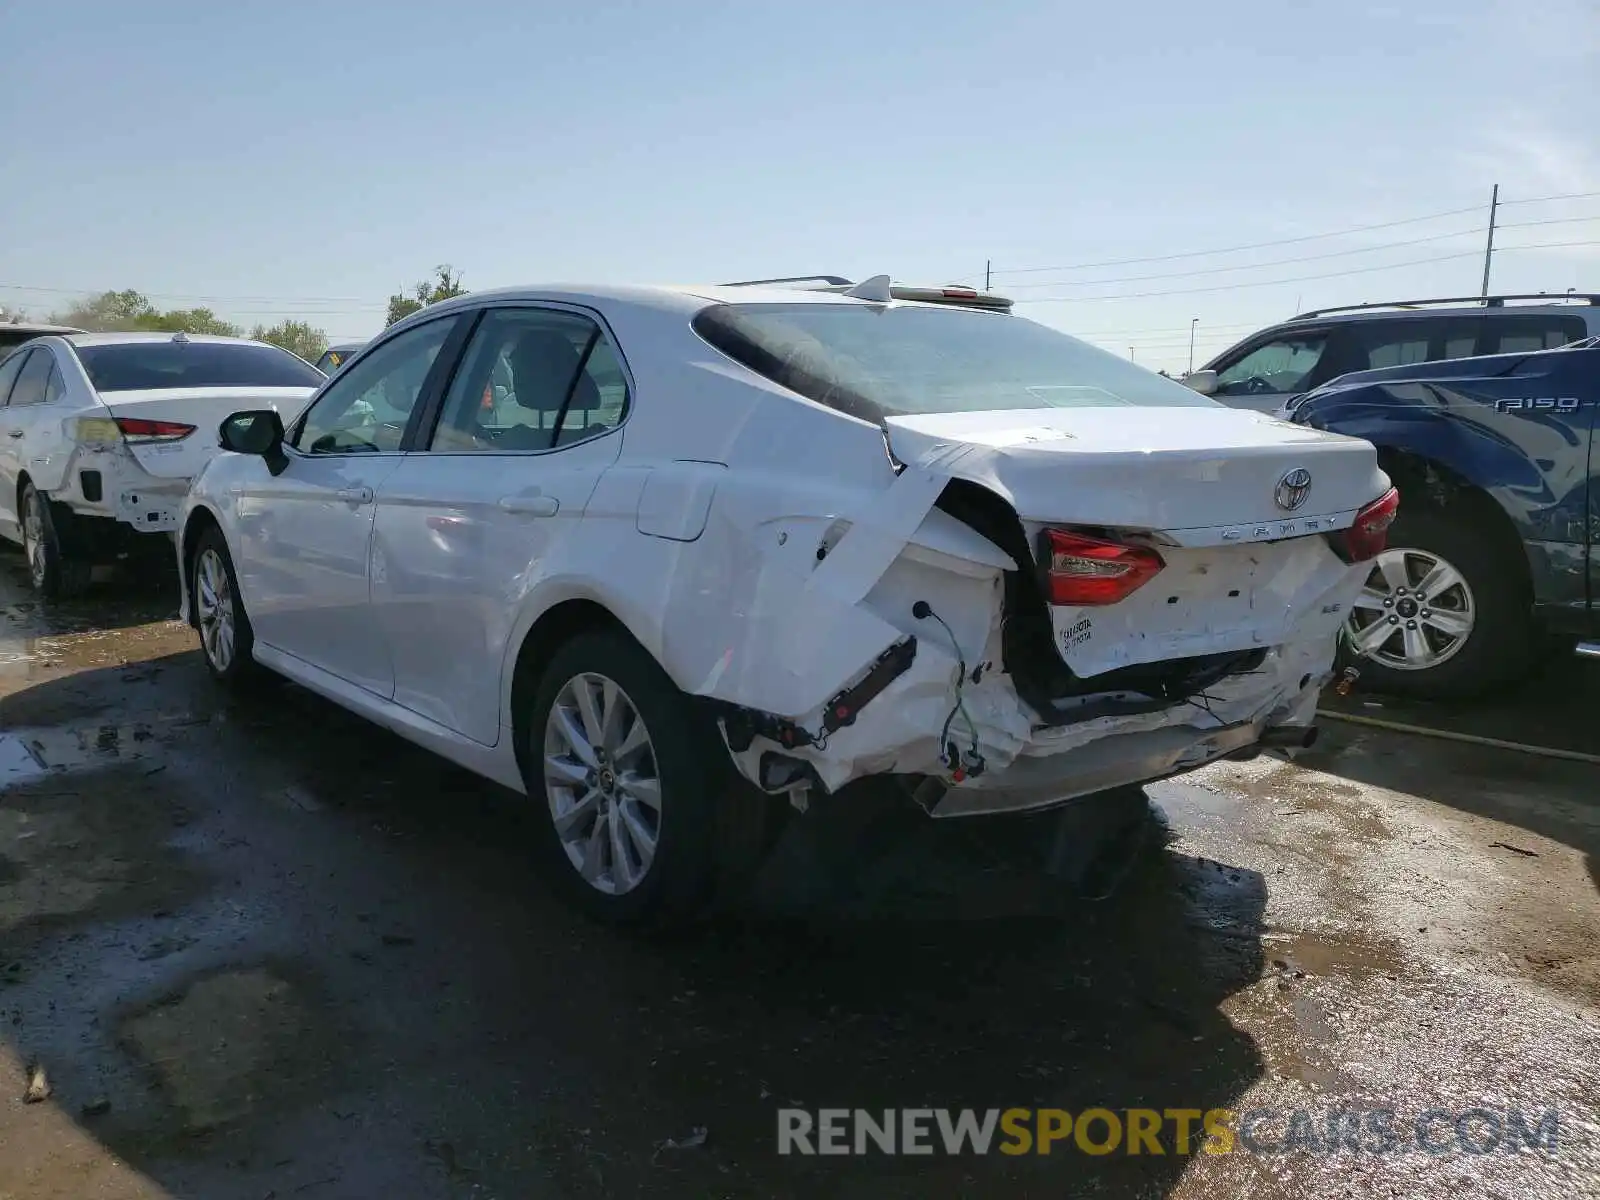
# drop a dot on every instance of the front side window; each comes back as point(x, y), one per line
point(875, 361)
point(1282, 366)
point(532, 379)
point(32, 380)
point(143, 366)
point(365, 409)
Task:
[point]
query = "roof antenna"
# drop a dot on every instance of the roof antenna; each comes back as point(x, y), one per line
point(875, 289)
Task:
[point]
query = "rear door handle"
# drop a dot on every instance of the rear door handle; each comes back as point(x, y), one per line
point(532, 506)
point(355, 495)
point(15, 432)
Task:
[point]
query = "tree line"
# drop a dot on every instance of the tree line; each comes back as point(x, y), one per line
point(133, 310)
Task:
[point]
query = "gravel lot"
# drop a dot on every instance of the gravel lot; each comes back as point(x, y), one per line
point(265, 950)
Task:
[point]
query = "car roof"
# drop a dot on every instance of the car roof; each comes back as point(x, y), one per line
point(35, 328)
point(145, 339)
point(343, 347)
point(687, 299)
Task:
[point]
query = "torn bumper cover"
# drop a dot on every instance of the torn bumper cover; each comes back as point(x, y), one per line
point(931, 700)
point(1025, 767)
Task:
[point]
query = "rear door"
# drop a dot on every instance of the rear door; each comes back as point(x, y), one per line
point(35, 440)
point(477, 513)
point(12, 433)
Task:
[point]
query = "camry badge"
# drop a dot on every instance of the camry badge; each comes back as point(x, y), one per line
point(1293, 489)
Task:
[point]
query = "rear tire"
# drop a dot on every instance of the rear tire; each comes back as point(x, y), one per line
point(624, 775)
point(227, 642)
point(54, 574)
point(1465, 638)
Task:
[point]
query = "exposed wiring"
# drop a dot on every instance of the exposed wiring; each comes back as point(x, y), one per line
point(922, 610)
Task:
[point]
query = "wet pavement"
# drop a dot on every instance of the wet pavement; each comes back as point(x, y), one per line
point(262, 949)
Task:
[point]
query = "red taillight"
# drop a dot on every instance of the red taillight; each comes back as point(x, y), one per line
point(1368, 536)
point(137, 429)
point(1086, 570)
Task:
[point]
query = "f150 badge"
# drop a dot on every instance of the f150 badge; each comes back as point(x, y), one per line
point(1541, 404)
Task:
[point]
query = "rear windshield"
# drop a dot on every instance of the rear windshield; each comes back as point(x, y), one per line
point(137, 366)
point(875, 362)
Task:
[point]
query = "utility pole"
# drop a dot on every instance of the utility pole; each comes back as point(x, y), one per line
point(1488, 250)
point(987, 264)
point(1192, 325)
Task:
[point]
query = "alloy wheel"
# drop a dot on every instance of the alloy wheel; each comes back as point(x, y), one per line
point(34, 545)
point(214, 608)
point(602, 783)
point(1414, 612)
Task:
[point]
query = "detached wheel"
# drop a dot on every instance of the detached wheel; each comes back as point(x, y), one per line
point(624, 780)
point(1444, 612)
point(52, 573)
point(226, 639)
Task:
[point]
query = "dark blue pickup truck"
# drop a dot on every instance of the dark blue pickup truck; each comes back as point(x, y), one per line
point(1496, 550)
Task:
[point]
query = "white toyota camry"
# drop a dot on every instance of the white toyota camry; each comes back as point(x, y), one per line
point(605, 545)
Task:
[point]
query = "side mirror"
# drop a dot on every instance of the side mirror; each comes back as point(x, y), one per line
point(1204, 382)
point(258, 431)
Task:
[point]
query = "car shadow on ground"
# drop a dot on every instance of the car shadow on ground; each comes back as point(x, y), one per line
point(119, 598)
point(435, 1017)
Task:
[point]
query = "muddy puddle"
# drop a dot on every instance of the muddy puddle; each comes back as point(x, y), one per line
point(231, 1043)
point(76, 847)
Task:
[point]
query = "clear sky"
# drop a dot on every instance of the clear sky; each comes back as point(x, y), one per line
point(307, 159)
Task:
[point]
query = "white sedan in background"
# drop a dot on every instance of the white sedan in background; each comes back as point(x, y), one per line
point(804, 535)
point(100, 434)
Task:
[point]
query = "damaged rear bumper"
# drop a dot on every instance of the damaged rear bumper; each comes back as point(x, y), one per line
point(1113, 761)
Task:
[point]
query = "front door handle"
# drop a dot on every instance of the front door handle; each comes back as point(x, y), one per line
point(15, 432)
point(531, 506)
point(355, 495)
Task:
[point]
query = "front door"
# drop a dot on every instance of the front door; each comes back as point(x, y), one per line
point(486, 506)
point(305, 533)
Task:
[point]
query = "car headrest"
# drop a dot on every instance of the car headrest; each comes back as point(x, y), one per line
point(542, 366)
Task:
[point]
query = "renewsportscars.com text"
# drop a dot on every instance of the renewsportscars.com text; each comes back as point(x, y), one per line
point(1155, 1131)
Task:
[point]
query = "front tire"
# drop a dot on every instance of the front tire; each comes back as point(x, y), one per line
point(1445, 613)
point(52, 572)
point(624, 778)
point(227, 642)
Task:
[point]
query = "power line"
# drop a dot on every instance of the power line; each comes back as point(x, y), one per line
point(1279, 262)
point(1226, 287)
point(1310, 237)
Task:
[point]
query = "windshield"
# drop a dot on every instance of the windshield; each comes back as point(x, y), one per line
point(875, 362)
point(140, 366)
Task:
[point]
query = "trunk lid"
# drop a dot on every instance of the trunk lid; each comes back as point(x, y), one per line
point(205, 409)
point(1146, 469)
point(1242, 571)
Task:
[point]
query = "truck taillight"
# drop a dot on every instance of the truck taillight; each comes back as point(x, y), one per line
point(1083, 570)
point(137, 429)
point(1369, 534)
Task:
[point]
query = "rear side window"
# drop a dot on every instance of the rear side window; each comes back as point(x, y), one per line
point(33, 379)
point(1526, 334)
point(138, 366)
point(875, 361)
point(9, 369)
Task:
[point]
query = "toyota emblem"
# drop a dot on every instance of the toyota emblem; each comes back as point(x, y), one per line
point(1293, 489)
